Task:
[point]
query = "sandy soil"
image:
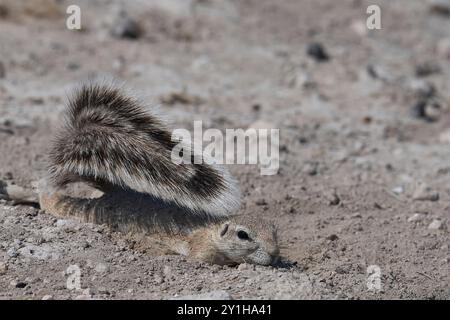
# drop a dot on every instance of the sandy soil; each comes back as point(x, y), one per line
point(364, 172)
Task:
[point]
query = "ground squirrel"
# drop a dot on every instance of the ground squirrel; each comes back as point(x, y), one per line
point(113, 144)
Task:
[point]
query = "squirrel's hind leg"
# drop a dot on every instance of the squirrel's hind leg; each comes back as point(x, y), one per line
point(18, 194)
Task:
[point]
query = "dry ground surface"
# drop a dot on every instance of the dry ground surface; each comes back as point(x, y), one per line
point(364, 173)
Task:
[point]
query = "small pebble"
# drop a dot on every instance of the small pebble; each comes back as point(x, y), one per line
point(379, 73)
point(261, 202)
point(416, 217)
point(428, 109)
point(19, 284)
point(441, 7)
point(332, 198)
point(316, 51)
point(398, 190)
point(427, 68)
point(244, 266)
point(311, 168)
point(421, 88)
point(332, 237)
point(12, 252)
point(424, 193)
point(436, 224)
point(125, 27)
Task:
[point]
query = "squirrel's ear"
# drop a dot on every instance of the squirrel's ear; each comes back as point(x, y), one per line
point(224, 229)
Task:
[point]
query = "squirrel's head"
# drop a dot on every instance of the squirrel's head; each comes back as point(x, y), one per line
point(243, 239)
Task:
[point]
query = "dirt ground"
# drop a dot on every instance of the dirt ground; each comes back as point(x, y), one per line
point(364, 179)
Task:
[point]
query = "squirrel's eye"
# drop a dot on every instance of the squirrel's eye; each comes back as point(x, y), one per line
point(243, 235)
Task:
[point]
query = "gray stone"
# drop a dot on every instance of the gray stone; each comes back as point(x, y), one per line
point(424, 193)
point(125, 27)
point(416, 217)
point(436, 224)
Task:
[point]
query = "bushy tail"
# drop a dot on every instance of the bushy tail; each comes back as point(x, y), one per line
point(110, 140)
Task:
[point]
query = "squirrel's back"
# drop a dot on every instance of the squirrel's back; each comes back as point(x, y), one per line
point(110, 140)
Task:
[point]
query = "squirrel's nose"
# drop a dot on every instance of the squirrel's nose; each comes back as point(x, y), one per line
point(275, 255)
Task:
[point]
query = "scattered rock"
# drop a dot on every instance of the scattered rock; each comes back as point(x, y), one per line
point(398, 190)
point(158, 279)
point(416, 217)
point(424, 193)
point(212, 295)
point(181, 97)
point(317, 51)
point(426, 109)
point(19, 284)
point(436, 224)
point(65, 223)
point(12, 252)
point(261, 202)
point(378, 206)
point(441, 7)
point(311, 168)
point(103, 290)
point(332, 237)
point(3, 268)
point(126, 27)
point(379, 73)
point(244, 266)
point(427, 68)
point(421, 88)
point(256, 107)
point(73, 66)
point(8, 175)
point(332, 198)
point(356, 215)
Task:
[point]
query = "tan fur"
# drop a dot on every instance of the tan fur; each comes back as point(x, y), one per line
point(171, 233)
point(160, 228)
